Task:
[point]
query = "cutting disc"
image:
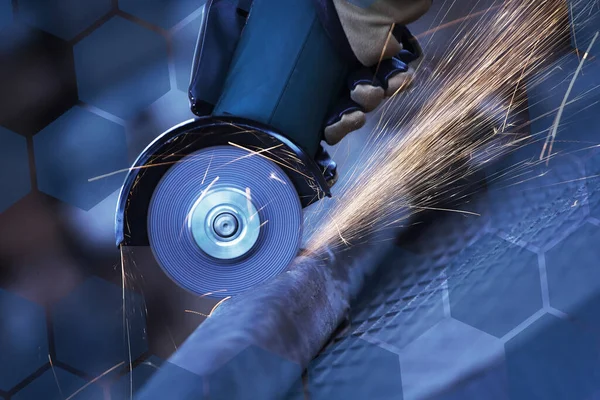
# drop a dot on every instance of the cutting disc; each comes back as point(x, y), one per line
point(223, 220)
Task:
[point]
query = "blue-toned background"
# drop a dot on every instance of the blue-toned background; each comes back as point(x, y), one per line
point(502, 306)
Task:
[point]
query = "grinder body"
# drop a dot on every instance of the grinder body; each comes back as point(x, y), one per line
point(282, 68)
point(219, 199)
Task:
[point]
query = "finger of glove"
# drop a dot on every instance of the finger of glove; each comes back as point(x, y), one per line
point(395, 75)
point(365, 89)
point(403, 80)
point(400, 82)
point(397, 79)
point(347, 116)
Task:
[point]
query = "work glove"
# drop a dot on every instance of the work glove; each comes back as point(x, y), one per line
point(386, 54)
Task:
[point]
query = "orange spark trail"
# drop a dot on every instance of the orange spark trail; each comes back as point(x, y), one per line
point(428, 138)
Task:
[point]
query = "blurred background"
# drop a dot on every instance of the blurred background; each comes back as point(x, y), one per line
point(504, 305)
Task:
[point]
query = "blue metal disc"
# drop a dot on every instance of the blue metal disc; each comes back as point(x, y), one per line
point(271, 193)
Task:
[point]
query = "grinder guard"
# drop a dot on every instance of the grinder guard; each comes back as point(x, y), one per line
point(164, 151)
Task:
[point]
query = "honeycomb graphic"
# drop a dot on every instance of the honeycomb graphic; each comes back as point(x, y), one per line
point(63, 18)
point(439, 357)
point(502, 306)
point(185, 39)
point(106, 54)
point(355, 368)
point(502, 277)
point(99, 344)
point(133, 382)
point(231, 382)
point(172, 108)
point(24, 345)
point(103, 67)
point(14, 168)
point(66, 160)
point(172, 382)
point(5, 13)
point(56, 383)
point(575, 288)
point(395, 305)
point(30, 105)
point(539, 354)
point(163, 13)
point(592, 170)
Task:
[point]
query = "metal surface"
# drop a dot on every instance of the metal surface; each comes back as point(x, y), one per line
point(246, 198)
point(290, 318)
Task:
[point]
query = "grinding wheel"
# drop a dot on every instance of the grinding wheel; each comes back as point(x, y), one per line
point(222, 220)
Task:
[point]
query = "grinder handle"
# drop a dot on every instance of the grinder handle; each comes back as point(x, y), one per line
point(285, 72)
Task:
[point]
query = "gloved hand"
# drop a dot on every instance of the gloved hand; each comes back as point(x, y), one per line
point(387, 56)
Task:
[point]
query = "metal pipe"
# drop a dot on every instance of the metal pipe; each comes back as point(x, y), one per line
point(256, 345)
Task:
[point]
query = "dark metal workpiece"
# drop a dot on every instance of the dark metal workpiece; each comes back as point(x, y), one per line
point(290, 317)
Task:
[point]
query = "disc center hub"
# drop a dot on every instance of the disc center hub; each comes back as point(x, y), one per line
point(224, 223)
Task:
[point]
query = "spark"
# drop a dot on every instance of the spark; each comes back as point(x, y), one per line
point(258, 153)
point(172, 339)
point(151, 364)
point(454, 22)
point(278, 179)
point(189, 158)
point(552, 136)
point(108, 371)
point(223, 300)
point(448, 210)
point(252, 152)
point(207, 169)
point(425, 139)
point(541, 116)
point(383, 50)
point(213, 292)
point(582, 179)
point(120, 171)
point(126, 325)
point(185, 158)
point(196, 312)
point(55, 377)
point(249, 204)
point(258, 211)
point(216, 305)
point(515, 93)
point(573, 33)
point(188, 218)
point(339, 231)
